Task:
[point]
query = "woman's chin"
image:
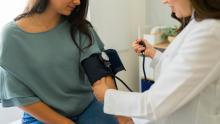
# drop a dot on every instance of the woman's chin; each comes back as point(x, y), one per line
point(66, 13)
point(179, 15)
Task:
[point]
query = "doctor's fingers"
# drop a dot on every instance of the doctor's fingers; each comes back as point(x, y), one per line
point(140, 50)
point(137, 42)
point(137, 48)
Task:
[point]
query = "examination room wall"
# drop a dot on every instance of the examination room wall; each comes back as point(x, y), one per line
point(117, 22)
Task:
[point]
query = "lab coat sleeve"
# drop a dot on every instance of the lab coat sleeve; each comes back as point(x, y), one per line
point(194, 67)
point(156, 59)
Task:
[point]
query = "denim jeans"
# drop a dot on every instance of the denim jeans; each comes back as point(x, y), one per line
point(93, 114)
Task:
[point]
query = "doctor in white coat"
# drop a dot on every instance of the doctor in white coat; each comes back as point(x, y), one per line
point(187, 74)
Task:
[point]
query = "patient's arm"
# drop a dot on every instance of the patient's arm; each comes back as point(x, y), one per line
point(45, 114)
point(100, 87)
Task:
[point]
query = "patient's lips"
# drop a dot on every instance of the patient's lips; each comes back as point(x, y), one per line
point(71, 7)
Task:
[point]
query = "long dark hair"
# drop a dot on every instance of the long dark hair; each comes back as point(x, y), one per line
point(77, 18)
point(205, 9)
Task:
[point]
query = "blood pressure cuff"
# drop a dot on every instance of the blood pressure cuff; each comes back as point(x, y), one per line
point(116, 63)
point(97, 67)
point(94, 68)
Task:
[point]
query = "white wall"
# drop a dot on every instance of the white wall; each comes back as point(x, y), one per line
point(9, 9)
point(158, 14)
point(9, 115)
point(116, 21)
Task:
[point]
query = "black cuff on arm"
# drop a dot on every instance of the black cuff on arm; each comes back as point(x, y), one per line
point(94, 68)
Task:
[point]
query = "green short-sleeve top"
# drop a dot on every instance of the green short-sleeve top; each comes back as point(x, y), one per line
point(45, 67)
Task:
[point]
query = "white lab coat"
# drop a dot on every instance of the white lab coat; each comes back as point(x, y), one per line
point(187, 81)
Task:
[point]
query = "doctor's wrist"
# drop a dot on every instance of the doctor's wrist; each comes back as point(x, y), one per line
point(151, 52)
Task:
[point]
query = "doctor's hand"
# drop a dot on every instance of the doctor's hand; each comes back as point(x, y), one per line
point(149, 50)
point(101, 86)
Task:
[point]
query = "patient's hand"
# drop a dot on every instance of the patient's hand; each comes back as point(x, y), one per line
point(99, 89)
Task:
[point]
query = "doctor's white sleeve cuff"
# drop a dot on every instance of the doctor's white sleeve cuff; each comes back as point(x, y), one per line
point(126, 103)
point(119, 102)
point(141, 121)
point(156, 59)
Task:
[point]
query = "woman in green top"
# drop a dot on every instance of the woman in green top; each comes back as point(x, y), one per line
point(41, 52)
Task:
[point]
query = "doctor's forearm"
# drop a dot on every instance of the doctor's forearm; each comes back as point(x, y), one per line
point(44, 113)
